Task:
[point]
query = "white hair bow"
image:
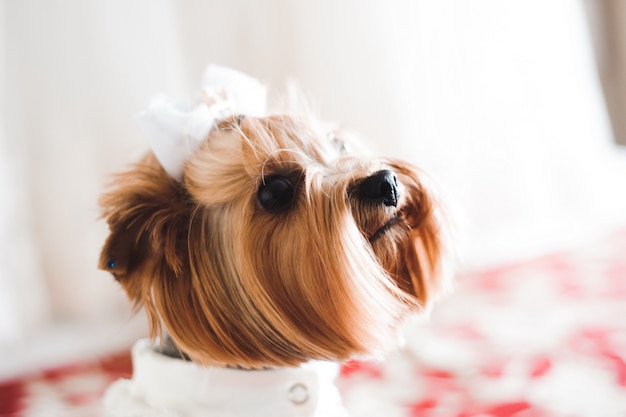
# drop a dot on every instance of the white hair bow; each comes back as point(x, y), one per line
point(176, 129)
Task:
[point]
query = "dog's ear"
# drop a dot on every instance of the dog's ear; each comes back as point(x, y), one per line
point(148, 215)
point(426, 251)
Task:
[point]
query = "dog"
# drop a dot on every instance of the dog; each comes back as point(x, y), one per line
point(264, 255)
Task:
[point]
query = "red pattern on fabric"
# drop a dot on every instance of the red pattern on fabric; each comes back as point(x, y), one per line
point(508, 409)
point(72, 390)
point(540, 367)
point(11, 397)
point(363, 369)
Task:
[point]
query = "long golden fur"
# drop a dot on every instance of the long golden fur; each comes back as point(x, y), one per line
point(331, 277)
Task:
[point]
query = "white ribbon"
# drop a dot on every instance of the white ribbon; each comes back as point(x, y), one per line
point(176, 129)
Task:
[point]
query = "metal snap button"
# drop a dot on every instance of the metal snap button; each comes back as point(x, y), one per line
point(298, 394)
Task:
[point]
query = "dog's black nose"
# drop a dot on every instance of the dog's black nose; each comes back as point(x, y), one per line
point(382, 187)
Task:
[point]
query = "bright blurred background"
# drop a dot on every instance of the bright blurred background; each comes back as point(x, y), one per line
point(501, 100)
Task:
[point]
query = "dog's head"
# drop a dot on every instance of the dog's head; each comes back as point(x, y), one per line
point(279, 245)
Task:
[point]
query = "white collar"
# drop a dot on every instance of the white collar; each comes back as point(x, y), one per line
point(188, 389)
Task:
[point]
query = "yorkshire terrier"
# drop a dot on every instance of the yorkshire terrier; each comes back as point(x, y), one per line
point(265, 254)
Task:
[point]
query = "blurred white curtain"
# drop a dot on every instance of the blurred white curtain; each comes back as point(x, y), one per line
point(74, 74)
point(499, 100)
point(20, 275)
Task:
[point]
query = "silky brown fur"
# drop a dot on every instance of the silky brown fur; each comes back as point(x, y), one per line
point(235, 285)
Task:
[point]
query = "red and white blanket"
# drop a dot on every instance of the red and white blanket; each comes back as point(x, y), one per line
point(543, 338)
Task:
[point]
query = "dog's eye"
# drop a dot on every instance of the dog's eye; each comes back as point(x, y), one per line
point(276, 194)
